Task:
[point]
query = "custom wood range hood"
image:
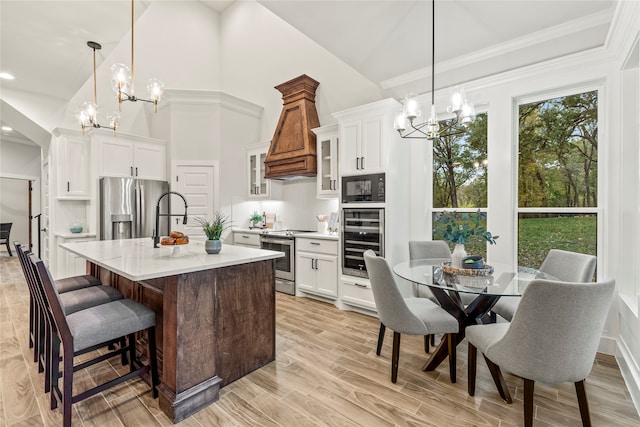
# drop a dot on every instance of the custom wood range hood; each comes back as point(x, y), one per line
point(292, 152)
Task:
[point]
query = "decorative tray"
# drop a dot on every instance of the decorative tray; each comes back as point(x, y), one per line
point(487, 270)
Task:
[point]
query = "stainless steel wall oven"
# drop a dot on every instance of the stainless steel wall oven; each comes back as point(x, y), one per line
point(361, 229)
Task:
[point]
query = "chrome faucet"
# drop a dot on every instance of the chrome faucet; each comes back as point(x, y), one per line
point(156, 235)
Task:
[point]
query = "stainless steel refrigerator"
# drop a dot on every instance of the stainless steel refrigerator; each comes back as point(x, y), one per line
point(128, 208)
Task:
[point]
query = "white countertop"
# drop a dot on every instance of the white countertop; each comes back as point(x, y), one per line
point(309, 235)
point(70, 235)
point(314, 235)
point(136, 259)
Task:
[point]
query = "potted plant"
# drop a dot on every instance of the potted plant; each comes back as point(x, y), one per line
point(459, 229)
point(213, 230)
point(256, 219)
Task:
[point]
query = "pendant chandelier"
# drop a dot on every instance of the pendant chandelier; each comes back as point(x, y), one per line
point(123, 79)
point(89, 110)
point(405, 121)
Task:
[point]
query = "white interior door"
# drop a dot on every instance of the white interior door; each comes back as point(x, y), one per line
point(195, 183)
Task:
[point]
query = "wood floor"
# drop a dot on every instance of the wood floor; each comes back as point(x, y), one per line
point(326, 374)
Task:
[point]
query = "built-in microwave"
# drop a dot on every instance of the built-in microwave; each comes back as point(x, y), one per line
point(363, 188)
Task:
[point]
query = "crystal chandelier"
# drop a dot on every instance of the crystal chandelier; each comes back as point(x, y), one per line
point(89, 110)
point(405, 121)
point(123, 80)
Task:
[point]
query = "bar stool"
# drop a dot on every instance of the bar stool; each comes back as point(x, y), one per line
point(89, 329)
point(76, 298)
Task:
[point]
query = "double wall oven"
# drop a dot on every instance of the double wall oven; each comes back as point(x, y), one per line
point(283, 241)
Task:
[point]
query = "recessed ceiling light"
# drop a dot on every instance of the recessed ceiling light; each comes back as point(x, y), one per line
point(6, 76)
point(7, 128)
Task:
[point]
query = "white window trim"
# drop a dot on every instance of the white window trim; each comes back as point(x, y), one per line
point(598, 85)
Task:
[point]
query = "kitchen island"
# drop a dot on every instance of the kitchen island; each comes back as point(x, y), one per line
point(215, 314)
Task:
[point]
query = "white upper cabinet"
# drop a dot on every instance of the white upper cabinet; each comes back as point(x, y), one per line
point(327, 154)
point(260, 187)
point(258, 184)
point(121, 156)
point(365, 133)
point(361, 146)
point(74, 155)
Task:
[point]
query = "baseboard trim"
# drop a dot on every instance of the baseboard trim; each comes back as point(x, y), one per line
point(630, 372)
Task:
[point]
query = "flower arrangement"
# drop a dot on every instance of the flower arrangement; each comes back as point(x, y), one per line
point(256, 218)
point(460, 228)
point(214, 228)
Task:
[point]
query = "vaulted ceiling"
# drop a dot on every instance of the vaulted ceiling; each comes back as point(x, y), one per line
point(43, 43)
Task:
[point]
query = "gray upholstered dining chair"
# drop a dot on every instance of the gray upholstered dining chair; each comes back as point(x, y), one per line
point(575, 312)
point(563, 265)
point(414, 316)
point(427, 249)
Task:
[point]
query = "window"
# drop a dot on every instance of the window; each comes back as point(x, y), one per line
point(460, 165)
point(557, 176)
point(460, 173)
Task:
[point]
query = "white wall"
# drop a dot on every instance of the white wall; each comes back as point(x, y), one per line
point(175, 41)
point(273, 52)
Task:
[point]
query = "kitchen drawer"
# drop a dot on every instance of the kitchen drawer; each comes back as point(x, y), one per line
point(319, 246)
point(357, 292)
point(246, 239)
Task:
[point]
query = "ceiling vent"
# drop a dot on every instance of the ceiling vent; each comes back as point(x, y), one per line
point(292, 152)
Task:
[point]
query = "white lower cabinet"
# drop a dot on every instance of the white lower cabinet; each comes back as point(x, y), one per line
point(357, 292)
point(317, 267)
point(249, 240)
point(70, 264)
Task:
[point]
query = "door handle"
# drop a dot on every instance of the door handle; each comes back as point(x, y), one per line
point(131, 170)
point(68, 186)
point(136, 171)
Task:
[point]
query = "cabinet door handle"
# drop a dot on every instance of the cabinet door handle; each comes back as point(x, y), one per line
point(312, 267)
point(131, 169)
point(360, 285)
point(361, 162)
point(245, 237)
point(315, 243)
point(136, 171)
point(68, 187)
point(358, 163)
point(316, 263)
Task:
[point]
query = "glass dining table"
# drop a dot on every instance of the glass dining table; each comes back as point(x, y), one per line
point(468, 298)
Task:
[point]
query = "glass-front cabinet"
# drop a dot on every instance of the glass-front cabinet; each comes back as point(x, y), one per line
point(327, 152)
point(258, 184)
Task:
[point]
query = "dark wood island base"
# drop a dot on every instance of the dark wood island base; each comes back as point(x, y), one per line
point(212, 327)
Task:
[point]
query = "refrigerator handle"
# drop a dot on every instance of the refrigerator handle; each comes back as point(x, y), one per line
point(142, 211)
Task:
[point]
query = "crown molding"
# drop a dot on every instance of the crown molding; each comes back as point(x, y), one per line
point(495, 51)
point(213, 97)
